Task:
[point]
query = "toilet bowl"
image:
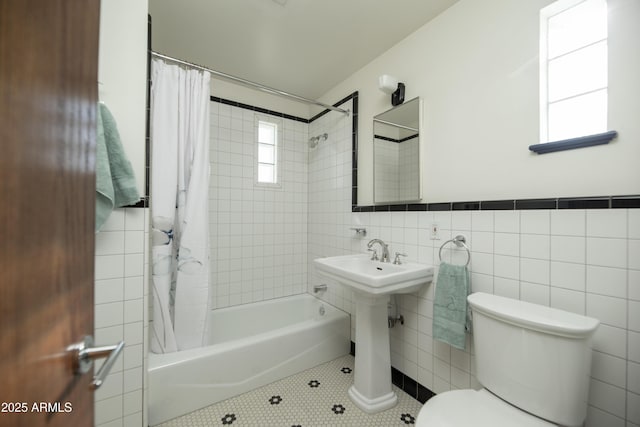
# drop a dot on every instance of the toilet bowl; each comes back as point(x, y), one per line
point(474, 408)
point(533, 361)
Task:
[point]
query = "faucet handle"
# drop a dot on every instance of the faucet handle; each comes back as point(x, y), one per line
point(397, 260)
point(374, 256)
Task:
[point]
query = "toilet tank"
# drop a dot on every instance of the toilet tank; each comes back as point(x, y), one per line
point(537, 358)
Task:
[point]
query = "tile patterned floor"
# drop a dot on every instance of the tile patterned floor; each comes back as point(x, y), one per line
point(313, 398)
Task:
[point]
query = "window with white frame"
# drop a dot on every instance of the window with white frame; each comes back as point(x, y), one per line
point(573, 69)
point(267, 150)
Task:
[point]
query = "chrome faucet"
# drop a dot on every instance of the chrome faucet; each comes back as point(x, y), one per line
point(385, 249)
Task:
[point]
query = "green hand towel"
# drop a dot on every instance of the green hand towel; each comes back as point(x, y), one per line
point(450, 315)
point(104, 186)
point(115, 181)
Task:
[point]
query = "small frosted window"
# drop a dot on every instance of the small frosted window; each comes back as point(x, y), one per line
point(578, 116)
point(266, 173)
point(568, 75)
point(266, 133)
point(577, 26)
point(267, 152)
point(573, 69)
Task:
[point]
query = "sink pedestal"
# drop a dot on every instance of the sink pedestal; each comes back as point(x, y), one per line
point(372, 282)
point(371, 390)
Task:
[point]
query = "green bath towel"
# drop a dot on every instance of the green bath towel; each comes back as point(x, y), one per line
point(450, 316)
point(115, 181)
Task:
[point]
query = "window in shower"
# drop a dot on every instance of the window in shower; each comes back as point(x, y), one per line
point(573, 72)
point(268, 150)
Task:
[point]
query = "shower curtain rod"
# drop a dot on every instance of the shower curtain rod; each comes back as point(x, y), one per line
point(249, 83)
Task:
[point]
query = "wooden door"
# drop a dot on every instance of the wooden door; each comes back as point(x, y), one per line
point(48, 97)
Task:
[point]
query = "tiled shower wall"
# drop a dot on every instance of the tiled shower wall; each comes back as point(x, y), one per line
point(585, 261)
point(396, 170)
point(120, 314)
point(330, 167)
point(408, 170)
point(258, 233)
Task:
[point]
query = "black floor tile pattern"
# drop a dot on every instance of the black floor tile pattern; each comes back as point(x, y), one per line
point(228, 419)
point(314, 398)
point(275, 400)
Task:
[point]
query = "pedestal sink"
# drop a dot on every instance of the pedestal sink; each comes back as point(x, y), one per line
point(373, 282)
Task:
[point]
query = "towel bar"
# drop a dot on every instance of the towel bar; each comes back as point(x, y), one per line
point(459, 241)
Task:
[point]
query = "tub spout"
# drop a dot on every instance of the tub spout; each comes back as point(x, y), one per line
point(318, 288)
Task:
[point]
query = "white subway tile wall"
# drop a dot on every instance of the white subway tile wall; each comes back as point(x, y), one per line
point(121, 296)
point(387, 180)
point(584, 261)
point(395, 163)
point(258, 234)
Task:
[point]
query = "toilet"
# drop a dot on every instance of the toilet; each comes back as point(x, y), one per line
point(533, 363)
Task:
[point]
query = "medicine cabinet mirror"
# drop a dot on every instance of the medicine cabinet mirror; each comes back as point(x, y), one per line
point(396, 154)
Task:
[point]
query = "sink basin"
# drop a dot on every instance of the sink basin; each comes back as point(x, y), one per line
point(373, 281)
point(374, 277)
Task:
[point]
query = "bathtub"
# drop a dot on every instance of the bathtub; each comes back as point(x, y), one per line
point(248, 346)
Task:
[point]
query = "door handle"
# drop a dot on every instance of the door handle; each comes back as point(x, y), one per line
point(84, 353)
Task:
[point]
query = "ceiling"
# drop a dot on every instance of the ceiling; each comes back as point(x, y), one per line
point(304, 47)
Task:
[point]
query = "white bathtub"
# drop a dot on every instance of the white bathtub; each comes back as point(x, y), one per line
point(249, 346)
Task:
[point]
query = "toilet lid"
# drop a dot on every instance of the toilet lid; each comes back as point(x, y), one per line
point(473, 408)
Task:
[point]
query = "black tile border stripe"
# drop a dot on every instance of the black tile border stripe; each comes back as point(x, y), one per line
point(604, 202)
point(623, 202)
point(497, 205)
point(398, 141)
point(337, 104)
point(405, 382)
point(385, 138)
point(584, 203)
point(465, 206)
point(142, 203)
point(144, 200)
point(354, 147)
point(147, 139)
point(408, 138)
point(280, 114)
point(536, 204)
point(257, 109)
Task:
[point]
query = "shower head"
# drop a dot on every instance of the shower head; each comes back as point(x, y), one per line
point(314, 140)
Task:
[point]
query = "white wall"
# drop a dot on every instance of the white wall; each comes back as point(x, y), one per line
point(123, 77)
point(476, 68)
point(121, 291)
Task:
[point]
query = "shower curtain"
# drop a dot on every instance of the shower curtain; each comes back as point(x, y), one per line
point(179, 206)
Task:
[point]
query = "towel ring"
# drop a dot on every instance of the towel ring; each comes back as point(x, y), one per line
point(459, 241)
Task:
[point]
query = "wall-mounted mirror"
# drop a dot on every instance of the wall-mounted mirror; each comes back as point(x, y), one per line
point(396, 154)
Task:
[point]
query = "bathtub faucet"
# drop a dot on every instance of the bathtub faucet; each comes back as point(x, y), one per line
point(385, 249)
point(318, 288)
